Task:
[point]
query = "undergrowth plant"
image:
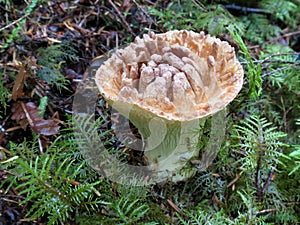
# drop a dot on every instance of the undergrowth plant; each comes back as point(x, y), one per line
point(282, 67)
point(16, 30)
point(253, 71)
point(59, 184)
point(4, 95)
point(255, 177)
point(52, 59)
point(296, 153)
point(52, 185)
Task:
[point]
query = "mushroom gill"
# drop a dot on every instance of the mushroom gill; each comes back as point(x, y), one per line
point(177, 75)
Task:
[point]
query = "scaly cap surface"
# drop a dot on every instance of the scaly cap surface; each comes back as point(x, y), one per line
point(177, 75)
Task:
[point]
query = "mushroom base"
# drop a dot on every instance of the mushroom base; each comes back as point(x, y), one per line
point(168, 146)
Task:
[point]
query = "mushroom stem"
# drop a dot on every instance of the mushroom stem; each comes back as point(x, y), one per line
point(168, 145)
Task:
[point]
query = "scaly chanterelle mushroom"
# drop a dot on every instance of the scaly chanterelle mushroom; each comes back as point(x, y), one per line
point(167, 84)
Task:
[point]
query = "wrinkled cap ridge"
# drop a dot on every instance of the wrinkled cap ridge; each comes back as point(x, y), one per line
point(177, 75)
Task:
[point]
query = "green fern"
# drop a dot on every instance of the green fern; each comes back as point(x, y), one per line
point(51, 59)
point(258, 139)
point(282, 68)
point(193, 14)
point(215, 19)
point(49, 184)
point(170, 20)
point(258, 28)
point(128, 210)
point(4, 94)
point(14, 34)
point(296, 153)
point(124, 205)
point(283, 10)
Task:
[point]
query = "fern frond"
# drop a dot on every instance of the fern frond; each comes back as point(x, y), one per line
point(127, 210)
point(4, 94)
point(258, 28)
point(283, 68)
point(216, 19)
point(258, 138)
point(193, 14)
point(49, 183)
point(296, 153)
point(51, 59)
point(281, 9)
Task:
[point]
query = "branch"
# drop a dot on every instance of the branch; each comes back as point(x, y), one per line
point(265, 211)
point(245, 9)
point(16, 21)
point(121, 17)
point(270, 178)
point(268, 59)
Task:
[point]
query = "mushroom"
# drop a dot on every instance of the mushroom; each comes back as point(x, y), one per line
point(167, 85)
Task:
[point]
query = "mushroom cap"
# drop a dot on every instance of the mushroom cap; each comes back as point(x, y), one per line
point(177, 75)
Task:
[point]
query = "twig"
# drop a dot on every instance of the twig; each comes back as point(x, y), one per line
point(237, 177)
point(275, 71)
point(257, 178)
point(268, 181)
point(4, 9)
point(264, 211)
point(270, 61)
point(121, 17)
point(285, 35)
point(267, 59)
point(13, 23)
point(280, 54)
point(245, 9)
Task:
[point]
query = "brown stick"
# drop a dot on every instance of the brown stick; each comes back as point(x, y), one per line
point(121, 17)
point(265, 188)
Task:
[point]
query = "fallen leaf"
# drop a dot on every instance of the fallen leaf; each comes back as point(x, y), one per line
point(17, 91)
point(28, 113)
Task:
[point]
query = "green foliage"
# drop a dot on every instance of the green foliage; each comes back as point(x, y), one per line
point(258, 28)
point(60, 183)
point(253, 71)
point(215, 19)
point(282, 67)
point(49, 182)
point(51, 59)
point(191, 15)
point(210, 216)
point(128, 208)
point(252, 181)
point(296, 153)
point(52, 181)
point(4, 94)
point(171, 20)
point(43, 105)
point(260, 142)
point(7, 3)
point(283, 10)
point(14, 34)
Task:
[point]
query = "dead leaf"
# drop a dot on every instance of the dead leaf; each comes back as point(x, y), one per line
point(27, 113)
point(17, 91)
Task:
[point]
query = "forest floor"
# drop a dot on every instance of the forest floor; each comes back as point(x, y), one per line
point(46, 49)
